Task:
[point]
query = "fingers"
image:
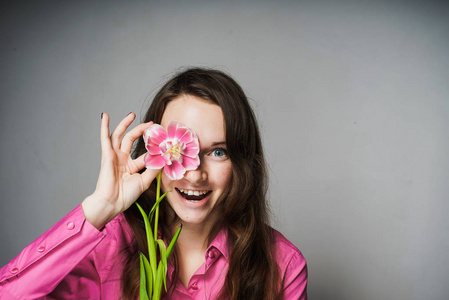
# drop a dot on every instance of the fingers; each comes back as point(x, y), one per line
point(135, 133)
point(139, 163)
point(115, 142)
point(104, 134)
point(120, 130)
point(148, 176)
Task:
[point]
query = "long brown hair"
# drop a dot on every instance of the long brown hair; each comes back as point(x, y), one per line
point(253, 272)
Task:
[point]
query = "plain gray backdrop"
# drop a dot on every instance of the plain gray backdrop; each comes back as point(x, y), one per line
point(351, 96)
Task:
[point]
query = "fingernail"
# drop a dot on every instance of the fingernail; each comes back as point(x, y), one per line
point(130, 113)
point(102, 115)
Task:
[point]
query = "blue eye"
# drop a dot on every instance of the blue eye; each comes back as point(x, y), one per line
point(219, 152)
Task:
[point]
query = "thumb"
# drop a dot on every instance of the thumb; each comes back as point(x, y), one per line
point(148, 176)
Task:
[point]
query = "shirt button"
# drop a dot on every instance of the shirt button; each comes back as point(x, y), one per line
point(41, 249)
point(212, 254)
point(14, 270)
point(70, 225)
point(194, 286)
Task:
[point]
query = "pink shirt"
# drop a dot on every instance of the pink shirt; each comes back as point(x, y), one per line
point(73, 260)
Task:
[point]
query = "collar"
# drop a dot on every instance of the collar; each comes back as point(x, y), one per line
point(220, 242)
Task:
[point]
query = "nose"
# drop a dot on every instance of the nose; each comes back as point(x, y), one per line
point(197, 176)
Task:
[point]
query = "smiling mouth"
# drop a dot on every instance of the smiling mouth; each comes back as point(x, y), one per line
point(193, 195)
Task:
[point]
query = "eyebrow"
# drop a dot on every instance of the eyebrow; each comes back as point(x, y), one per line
point(219, 144)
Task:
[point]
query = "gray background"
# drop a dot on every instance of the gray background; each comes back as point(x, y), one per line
point(352, 98)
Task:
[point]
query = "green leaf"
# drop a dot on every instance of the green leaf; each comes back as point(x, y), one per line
point(150, 240)
point(149, 274)
point(173, 241)
point(164, 277)
point(159, 279)
point(156, 204)
point(143, 282)
point(163, 251)
point(163, 261)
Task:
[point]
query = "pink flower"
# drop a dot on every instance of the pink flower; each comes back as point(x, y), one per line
point(176, 149)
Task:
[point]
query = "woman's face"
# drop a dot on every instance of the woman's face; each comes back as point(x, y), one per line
point(207, 184)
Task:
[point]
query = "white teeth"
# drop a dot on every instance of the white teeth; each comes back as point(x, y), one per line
point(193, 193)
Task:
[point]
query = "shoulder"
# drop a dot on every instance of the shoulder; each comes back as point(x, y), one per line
point(287, 255)
point(292, 267)
point(283, 245)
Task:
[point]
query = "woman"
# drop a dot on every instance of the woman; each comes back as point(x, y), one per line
point(226, 250)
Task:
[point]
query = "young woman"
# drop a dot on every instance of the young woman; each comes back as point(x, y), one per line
point(226, 249)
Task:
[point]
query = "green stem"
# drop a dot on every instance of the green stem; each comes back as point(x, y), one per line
point(156, 273)
point(158, 194)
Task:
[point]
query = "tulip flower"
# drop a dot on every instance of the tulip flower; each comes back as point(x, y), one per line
point(175, 149)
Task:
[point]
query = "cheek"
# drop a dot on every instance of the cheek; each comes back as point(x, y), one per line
point(165, 183)
point(225, 175)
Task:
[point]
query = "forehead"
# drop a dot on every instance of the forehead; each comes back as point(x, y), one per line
point(203, 117)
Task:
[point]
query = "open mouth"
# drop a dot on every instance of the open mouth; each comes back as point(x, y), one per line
point(193, 195)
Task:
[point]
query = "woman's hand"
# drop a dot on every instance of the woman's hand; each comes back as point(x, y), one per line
point(119, 182)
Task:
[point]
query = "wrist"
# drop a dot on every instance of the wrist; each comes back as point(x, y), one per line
point(97, 212)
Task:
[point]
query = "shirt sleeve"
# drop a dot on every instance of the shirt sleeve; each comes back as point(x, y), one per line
point(59, 254)
point(295, 278)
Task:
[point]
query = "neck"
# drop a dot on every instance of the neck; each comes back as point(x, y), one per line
point(193, 237)
point(191, 248)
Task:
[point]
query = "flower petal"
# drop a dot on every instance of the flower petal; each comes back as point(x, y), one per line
point(191, 150)
point(180, 132)
point(154, 149)
point(190, 163)
point(175, 171)
point(156, 133)
point(154, 161)
point(187, 137)
point(172, 127)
